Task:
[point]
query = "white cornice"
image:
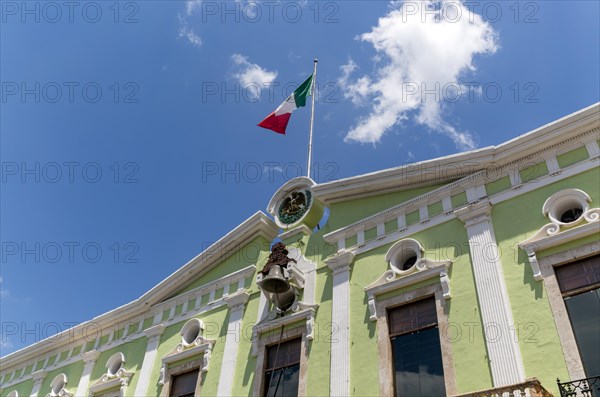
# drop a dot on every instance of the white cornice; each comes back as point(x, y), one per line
point(257, 225)
point(562, 132)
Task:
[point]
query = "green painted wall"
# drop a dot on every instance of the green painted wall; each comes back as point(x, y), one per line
point(215, 328)
point(445, 242)
point(23, 388)
point(250, 254)
point(134, 356)
point(514, 221)
point(343, 214)
point(73, 372)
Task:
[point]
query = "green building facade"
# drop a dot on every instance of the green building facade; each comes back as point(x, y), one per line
point(475, 272)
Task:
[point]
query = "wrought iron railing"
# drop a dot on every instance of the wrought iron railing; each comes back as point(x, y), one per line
point(588, 387)
point(530, 388)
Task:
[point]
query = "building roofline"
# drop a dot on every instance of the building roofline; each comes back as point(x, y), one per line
point(456, 166)
point(259, 224)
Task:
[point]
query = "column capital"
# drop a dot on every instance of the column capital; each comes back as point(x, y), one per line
point(474, 213)
point(90, 357)
point(154, 331)
point(342, 261)
point(234, 301)
point(39, 376)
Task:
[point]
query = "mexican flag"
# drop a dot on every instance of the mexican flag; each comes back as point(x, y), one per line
point(278, 120)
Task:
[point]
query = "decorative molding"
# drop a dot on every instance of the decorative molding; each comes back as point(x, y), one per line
point(237, 300)
point(392, 280)
point(400, 252)
point(563, 200)
point(58, 387)
point(302, 229)
point(475, 213)
point(552, 235)
point(299, 311)
point(397, 213)
point(567, 131)
point(202, 346)
point(341, 261)
point(112, 379)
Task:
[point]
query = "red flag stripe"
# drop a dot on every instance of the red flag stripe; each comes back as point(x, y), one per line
point(276, 123)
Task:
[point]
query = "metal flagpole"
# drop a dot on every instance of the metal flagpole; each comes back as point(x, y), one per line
point(312, 117)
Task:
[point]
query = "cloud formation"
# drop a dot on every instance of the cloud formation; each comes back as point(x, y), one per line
point(185, 30)
point(421, 46)
point(251, 76)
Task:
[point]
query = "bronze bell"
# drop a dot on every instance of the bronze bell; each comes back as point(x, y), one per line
point(275, 282)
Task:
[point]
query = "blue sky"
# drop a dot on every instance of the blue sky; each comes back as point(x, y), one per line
point(128, 130)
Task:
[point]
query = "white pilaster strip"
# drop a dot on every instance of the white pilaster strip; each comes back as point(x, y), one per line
point(552, 164)
point(504, 354)
point(380, 229)
point(340, 346)
point(447, 204)
point(593, 149)
point(89, 360)
point(401, 221)
point(423, 213)
point(38, 379)
point(360, 237)
point(514, 176)
point(237, 304)
point(153, 334)
point(341, 244)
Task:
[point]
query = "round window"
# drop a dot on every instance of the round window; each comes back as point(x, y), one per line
point(404, 255)
point(191, 331)
point(567, 206)
point(115, 363)
point(58, 384)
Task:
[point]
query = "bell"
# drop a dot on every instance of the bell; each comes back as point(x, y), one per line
point(275, 282)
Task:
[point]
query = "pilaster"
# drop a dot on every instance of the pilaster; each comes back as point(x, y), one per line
point(498, 325)
point(340, 265)
point(153, 334)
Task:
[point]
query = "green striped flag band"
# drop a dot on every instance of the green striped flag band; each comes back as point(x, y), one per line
point(278, 120)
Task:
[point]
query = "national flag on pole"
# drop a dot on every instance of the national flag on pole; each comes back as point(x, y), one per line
point(278, 120)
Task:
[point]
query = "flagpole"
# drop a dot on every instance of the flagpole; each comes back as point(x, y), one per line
point(312, 117)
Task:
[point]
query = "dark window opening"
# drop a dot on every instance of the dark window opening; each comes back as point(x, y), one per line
point(579, 283)
point(409, 262)
point(184, 385)
point(282, 373)
point(416, 350)
point(571, 215)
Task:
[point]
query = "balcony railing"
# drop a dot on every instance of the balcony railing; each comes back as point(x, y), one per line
point(588, 387)
point(530, 388)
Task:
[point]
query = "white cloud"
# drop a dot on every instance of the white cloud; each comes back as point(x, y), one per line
point(188, 33)
point(251, 76)
point(185, 30)
point(191, 5)
point(425, 45)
